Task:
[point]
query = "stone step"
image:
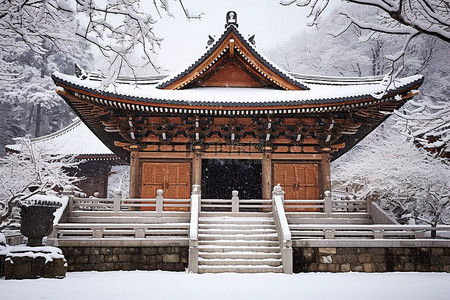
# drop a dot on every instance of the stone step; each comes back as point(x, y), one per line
point(243, 231)
point(241, 237)
point(238, 221)
point(226, 247)
point(236, 215)
point(239, 269)
point(239, 262)
point(241, 227)
point(239, 243)
point(240, 255)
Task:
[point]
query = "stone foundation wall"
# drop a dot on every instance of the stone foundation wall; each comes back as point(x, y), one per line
point(126, 258)
point(350, 259)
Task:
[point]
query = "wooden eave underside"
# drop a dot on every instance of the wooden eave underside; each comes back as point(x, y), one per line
point(132, 125)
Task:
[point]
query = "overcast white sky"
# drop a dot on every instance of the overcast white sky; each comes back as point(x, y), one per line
point(185, 41)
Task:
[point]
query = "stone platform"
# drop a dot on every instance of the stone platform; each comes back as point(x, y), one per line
point(23, 262)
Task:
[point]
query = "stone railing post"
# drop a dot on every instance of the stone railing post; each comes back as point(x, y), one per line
point(369, 207)
point(284, 233)
point(117, 200)
point(193, 229)
point(159, 200)
point(328, 203)
point(278, 191)
point(69, 191)
point(235, 201)
point(350, 206)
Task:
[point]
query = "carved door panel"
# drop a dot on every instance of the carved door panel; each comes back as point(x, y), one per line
point(173, 178)
point(299, 181)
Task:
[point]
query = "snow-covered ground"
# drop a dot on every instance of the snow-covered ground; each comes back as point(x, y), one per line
point(170, 285)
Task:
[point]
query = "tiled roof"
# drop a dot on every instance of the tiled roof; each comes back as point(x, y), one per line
point(321, 91)
point(76, 139)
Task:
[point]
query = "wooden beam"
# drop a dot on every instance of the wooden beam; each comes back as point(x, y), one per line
point(267, 175)
point(239, 155)
point(326, 174)
point(174, 155)
point(197, 168)
point(296, 156)
point(134, 174)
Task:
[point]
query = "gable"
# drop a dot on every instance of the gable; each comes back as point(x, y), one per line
point(232, 62)
point(231, 72)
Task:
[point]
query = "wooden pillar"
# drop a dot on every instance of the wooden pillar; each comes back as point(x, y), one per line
point(197, 168)
point(326, 174)
point(267, 175)
point(134, 175)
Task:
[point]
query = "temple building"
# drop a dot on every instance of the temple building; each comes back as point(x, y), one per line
point(233, 120)
point(78, 142)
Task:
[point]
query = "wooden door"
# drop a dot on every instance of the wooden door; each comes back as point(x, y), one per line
point(173, 178)
point(299, 181)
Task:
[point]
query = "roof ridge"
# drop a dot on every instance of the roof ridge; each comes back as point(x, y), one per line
point(264, 61)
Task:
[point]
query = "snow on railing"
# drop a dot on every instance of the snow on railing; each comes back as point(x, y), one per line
point(117, 203)
point(236, 205)
point(347, 231)
point(193, 232)
point(71, 231)
point(327, 205)
point(284, 233)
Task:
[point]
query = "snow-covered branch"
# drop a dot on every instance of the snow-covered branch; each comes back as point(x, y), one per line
point(428, 124)
point(390, 168)
point(431, 17)
point(117, 28)
point(32, 167)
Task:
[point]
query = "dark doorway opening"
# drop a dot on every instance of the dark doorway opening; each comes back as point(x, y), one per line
point(221, 176)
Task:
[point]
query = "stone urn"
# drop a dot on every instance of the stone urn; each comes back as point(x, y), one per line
point(37, 219)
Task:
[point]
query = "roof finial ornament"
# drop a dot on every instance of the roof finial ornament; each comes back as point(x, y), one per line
point(210, 40)
point(231, 19)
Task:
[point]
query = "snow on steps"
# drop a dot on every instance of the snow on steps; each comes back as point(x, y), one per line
point(244, 243)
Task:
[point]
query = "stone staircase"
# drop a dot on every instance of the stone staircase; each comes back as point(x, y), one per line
point(238, 243)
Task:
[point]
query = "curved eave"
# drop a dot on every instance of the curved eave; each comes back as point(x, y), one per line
point(94, 124)
point(134, 103)
point(97, 157)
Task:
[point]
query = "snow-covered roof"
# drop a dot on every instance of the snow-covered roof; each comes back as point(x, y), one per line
point(76, 139)
point(230, 32)
point(320, 91)
point(281, 88)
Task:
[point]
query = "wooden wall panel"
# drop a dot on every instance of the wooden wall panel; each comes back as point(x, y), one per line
point(173, 178)
point(300, 181)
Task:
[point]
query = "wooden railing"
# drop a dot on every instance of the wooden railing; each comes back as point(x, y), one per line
point(284, 233)
point(307, 231)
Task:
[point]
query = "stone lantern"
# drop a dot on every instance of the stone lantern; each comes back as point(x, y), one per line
point(37, 219)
